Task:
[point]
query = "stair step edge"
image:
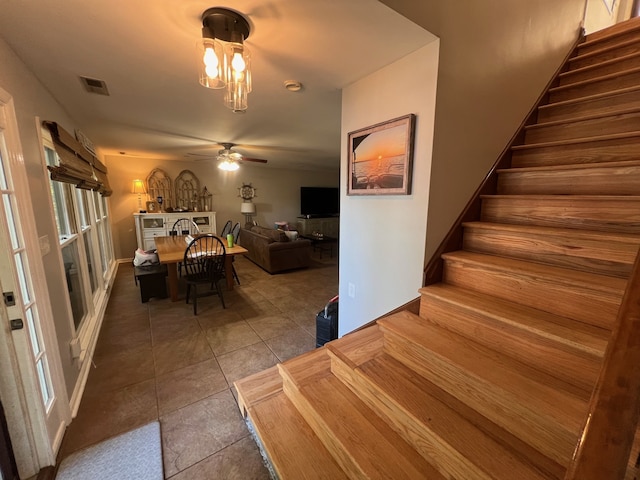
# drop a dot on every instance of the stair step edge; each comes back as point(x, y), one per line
point(575, 141)
point(618, 30)
point(569, 198)
point(604, 63)
point(495, 386)
point(587, 339)
point(627, 238)
point(326, 403)
point(292, 448)
point(258, 387)
point(586, 98)
point(590, 81)
point(605, 285)
point(440, 434)
point(571, 166)
point(569, 121)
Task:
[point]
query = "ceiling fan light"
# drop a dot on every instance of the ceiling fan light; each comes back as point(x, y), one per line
point(228, 165)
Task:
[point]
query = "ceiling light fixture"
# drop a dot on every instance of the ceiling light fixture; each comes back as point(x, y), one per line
point(228, 160)
point(224, 60)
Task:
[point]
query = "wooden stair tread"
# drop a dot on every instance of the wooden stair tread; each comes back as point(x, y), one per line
point(606, 285)
point(628, 238)
point(582, 118)
point(258, 387)
point(308, 367)
point(623, 198)
point(362, 443)
point(293, 449)
point(574, 141)
point(583, 296)
point(362, 345)
point(586, 98)
point(612, 213)
point(595, 66)
point(528, 340)
point(523, 401)
point(576, 336)
point(607, 253)
point(572, 166)
point(601, 78)
point(616, 178)
point(461, 445)
point(612, 31)
point(600, 51)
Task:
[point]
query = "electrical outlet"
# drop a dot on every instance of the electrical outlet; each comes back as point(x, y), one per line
point(352, 290)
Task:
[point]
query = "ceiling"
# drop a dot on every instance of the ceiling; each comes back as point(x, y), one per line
point(145, 51)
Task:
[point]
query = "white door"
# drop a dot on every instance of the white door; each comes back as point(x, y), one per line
point(31, 385)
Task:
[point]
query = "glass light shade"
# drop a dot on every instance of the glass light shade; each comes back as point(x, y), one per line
point(228, 165)
point(211, 63)
point(247, 207)
point(238, 76)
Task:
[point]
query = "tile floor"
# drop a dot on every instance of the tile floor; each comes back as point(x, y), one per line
point(157, 360)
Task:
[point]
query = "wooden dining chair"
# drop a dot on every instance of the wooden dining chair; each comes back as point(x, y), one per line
point(204, 268)
point(235, 231)
point(226, 230)
point(184, 226)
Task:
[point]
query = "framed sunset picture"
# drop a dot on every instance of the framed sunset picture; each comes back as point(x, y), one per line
point(381, 158)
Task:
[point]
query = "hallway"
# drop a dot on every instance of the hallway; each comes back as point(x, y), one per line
point(157, 360)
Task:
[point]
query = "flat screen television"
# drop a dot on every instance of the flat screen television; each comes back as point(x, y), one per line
point(319, 201)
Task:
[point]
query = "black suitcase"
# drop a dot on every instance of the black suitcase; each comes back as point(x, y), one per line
point(327, 323)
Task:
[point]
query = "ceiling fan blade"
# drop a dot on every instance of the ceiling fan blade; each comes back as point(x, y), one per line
point(256, 160)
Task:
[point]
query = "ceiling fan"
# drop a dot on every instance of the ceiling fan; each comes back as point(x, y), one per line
point(228, 159)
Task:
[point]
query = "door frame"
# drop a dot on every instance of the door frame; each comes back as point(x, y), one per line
point(8, 467)
point(35, 431)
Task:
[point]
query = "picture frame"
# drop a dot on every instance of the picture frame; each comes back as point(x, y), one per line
point(380, 158)
point(152, 206)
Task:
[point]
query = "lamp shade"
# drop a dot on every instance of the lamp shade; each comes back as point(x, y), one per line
point(138, 187)
point(248, 207)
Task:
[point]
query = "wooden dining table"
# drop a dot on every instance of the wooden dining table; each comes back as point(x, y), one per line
point(171, 251)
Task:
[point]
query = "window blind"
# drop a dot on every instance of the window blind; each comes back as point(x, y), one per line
point(76, 164)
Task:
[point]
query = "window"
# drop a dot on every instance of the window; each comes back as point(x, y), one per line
point(84, 240)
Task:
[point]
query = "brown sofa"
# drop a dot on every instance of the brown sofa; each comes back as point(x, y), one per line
point(273, 251)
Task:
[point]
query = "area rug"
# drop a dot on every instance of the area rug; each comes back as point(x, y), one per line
point(133, 455)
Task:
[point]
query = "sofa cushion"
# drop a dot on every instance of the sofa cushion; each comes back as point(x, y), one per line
point(274, 235)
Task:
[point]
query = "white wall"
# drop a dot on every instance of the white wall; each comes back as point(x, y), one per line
point(597, 15)
point(382, 237)
point(495, 59)
point(278, 192)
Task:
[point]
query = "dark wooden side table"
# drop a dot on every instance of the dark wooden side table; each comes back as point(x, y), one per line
point(322, 244)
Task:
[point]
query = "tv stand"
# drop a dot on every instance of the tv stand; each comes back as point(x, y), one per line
point(329, 226)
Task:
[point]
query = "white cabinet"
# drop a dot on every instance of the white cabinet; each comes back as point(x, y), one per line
point(151, 225)
point(328, 226)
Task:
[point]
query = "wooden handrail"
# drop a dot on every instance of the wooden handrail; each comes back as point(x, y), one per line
point(607, 437)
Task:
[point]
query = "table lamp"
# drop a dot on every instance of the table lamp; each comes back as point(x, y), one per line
point(138, 187)
point(248, 209)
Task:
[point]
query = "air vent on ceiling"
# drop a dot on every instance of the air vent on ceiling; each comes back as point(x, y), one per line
point(94, 85)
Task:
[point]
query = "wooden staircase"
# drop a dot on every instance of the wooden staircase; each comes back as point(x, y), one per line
point(493, 379)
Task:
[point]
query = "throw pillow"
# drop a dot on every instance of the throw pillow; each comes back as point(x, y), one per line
point(291, 235)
